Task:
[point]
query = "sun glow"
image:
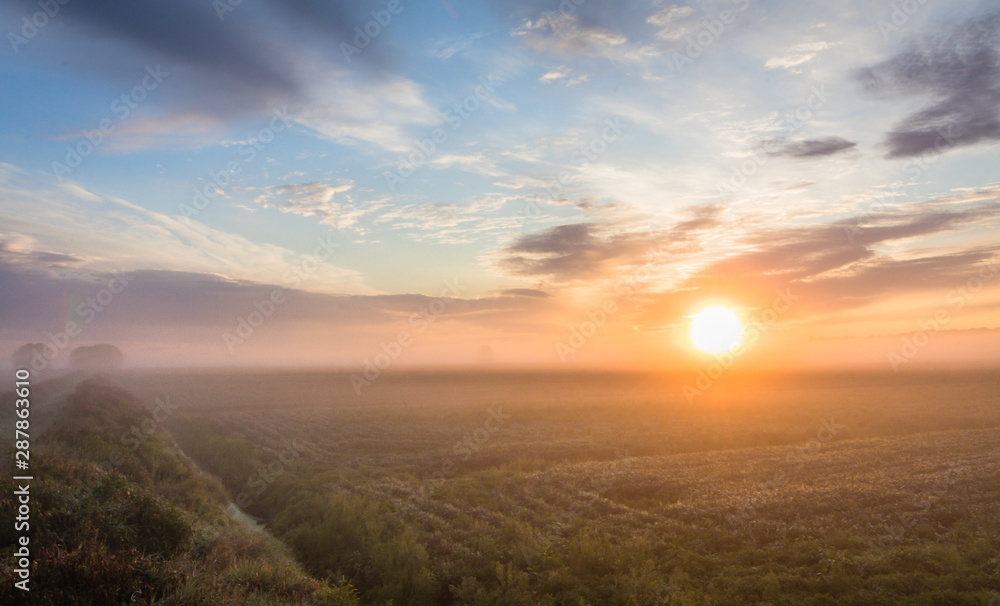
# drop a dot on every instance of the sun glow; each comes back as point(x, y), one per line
point(715, 330)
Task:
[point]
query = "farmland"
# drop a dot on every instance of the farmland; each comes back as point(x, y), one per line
point(611, 488)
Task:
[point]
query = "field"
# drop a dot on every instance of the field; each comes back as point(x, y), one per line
point(575, 488)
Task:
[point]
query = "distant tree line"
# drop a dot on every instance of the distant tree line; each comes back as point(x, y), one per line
point(94, 358)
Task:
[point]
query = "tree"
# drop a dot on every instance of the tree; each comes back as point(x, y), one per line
point(26, 353)
point(100, 357)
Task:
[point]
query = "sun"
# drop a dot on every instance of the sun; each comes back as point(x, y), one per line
point(715, 330)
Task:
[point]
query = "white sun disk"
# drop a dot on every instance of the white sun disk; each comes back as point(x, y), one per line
point(715, 330)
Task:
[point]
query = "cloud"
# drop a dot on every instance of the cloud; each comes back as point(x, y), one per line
point(477, 163)
point(348, 108)
point(845, 264)
point(567, 35)
point(674, 22)
point(190, 33)
point(958, 68)
point(567, 253)
point(702, 217)
point(563, 34)
point(594, 251)
point(450, 222)
point(449, 47)
point(20, 251)
point(566, 75)
point(161, 297)
point(257, 58)
point(830, 267)
point(524, 292)
point(173, 317)
point(811, 148)
point(105, 233)
point(797, 55)
point(311, 200)
point(799, 253)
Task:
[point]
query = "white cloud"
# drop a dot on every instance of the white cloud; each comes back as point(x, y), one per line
point(567, 75)
point(564, 35)
point(306, 199)
point(330, 202)
point(797, 55)
point(376, 111)
point(673, 22)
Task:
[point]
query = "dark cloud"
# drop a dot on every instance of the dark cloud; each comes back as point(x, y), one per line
point(190, 33)
point(28, 302)
point(39, 301)
point(49, 258)
point(574, 252)
point(559, 240)
point(959, 69)
point(11, 256)
point(179, 318)
point(812, 148)
point(249, 60)
point(887, 275)
point(581, 251)
point(328, 16)
point(806, 253)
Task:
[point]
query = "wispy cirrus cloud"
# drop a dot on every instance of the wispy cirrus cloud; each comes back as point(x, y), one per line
point(97, 233)
point(798, 55)
point(446, 48)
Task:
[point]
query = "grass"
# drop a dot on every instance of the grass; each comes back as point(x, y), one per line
point(121, 522)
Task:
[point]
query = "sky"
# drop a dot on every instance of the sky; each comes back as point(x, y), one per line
point(402, 183)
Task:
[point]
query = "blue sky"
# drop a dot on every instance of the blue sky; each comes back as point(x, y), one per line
point(576, 144)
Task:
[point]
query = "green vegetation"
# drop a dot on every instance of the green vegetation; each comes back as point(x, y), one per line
point(119, 516)
point(612, 489)
point(514, 489)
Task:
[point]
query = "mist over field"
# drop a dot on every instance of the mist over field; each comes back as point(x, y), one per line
point(571, 303)
point(479, 487)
